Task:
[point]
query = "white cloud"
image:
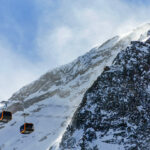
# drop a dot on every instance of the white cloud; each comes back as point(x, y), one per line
point(15, 71)
point(80, 24)
point(52, 43)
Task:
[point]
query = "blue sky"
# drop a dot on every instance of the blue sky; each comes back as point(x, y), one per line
point(19, 25)
point(39, 35)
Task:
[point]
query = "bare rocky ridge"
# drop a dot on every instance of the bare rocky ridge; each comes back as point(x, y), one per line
point(116, 109)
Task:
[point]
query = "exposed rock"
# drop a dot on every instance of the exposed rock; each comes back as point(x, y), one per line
point(116, 109)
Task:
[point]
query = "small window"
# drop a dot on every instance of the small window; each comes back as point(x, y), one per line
point(29, 126)
point(8, 114)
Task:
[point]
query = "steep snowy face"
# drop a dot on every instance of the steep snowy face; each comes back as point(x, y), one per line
point(115, 111)
point(53, 80)
point(52, 100)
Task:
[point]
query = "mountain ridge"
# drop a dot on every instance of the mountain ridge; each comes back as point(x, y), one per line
point(114, 112)
point(52, 100)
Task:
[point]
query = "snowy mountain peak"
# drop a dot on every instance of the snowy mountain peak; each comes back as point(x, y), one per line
point(114, 113)
point(51, 100)
point(139, 34)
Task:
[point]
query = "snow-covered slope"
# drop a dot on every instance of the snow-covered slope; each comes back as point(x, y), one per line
point(52, 100)
point(115, 112)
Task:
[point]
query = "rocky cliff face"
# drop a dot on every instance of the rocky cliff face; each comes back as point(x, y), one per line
point(115, 111)
point(51, 100)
